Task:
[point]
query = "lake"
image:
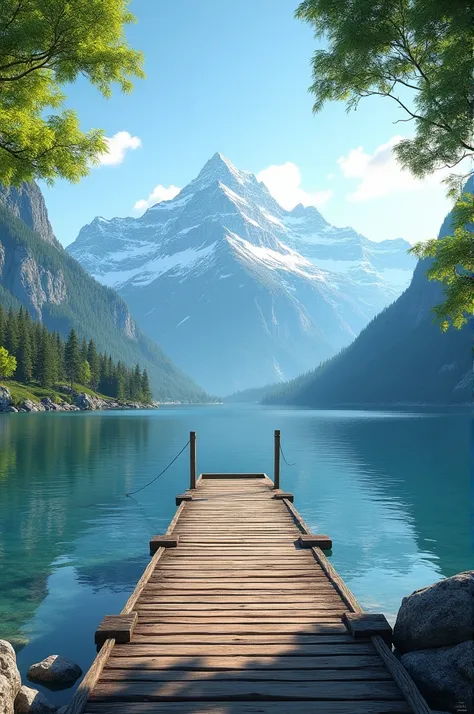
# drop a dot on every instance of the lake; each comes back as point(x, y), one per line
point(392, 489)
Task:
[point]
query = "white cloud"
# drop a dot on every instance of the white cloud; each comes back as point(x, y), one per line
point(380, 173)
point(117, 146)
point(284, 183)
point(159, 193)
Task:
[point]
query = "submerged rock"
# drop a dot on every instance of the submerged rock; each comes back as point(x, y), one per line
point(437, 616)
point(444, 675)
point(10, 681)
point(54, 670)
point(30, 701)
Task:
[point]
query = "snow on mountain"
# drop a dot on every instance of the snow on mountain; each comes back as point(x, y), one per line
point(237, 290)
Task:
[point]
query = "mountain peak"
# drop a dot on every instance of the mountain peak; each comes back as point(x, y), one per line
point(220, 168)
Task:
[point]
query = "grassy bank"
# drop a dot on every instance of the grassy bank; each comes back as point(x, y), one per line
point(35, 393)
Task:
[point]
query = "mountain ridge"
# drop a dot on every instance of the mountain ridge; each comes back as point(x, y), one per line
point(401, 358)
point(36, 272)
point(224, 268)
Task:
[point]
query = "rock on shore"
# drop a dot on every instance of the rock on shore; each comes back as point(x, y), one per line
point(434, 633)
point(10, 681)
point(81, 402)
point(31, 701)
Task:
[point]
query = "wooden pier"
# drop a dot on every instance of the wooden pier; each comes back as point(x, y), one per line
point(235, 614)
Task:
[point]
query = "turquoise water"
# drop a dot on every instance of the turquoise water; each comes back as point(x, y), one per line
point(391, 488)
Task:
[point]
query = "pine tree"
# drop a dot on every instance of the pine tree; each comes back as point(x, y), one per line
point(46, 361)
point(84, 350)
point(94, 363)
point(147, 396)
point(24, 372)
point(59, 356)
point(136, 383)
point(11, 333)
point(3, 319)
point(72, 357)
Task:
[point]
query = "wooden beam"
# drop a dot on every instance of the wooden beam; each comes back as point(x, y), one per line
point(116, 627)
point(314, 540)
point(192, 460)
point(183, 497)
point(284, 495)
point(368, 624)
point(232, 476)
point(163, 541)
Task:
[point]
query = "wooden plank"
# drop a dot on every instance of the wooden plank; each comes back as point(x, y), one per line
point(216, 689)
point(218, 663)
point(242, 611)
point(261, 601)
point(269, 675)
point(237, 618)
point(311, 707)
point(241, 650)
point(147, 634)
point(237, 628)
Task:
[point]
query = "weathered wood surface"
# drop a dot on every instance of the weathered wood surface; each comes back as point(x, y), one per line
point(240, 619)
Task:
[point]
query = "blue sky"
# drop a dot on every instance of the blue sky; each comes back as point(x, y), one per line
point(233, 77)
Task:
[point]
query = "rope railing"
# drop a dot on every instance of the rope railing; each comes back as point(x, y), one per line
point(132, 493)
point(284, 459)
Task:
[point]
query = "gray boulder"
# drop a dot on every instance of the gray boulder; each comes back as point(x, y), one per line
point(437, 616)
point(28, 406)
point(88, 402)
point(54, 670)
point(444, 675)
point(11, 409)
point(10, 681)
point(30, 701)
point(5, 398)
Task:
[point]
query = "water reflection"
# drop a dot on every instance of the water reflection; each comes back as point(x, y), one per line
point(392, 490)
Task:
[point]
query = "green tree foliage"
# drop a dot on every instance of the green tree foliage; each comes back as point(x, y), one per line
point(93, 310)
point(84, 376)
point(11, 338)
point(146, 390)
point(45, 45)
point(420, 54)
point(94, 364)
point(7, 363)
point(72, 357)
point(417, 52)
point(24, 351)
point(47, 366)
point(50, 361)
point(453, 265)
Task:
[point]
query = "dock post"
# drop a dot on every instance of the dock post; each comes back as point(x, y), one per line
point(276, 471)
point(192, 459)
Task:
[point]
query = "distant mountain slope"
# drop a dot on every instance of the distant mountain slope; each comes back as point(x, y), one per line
point(401, 357)
point(35, 271)
point(237, 290)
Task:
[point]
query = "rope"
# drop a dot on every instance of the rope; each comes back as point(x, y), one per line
point(132, 493)
point(283, 455)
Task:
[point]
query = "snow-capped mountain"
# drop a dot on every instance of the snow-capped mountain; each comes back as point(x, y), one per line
point(237, 290)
